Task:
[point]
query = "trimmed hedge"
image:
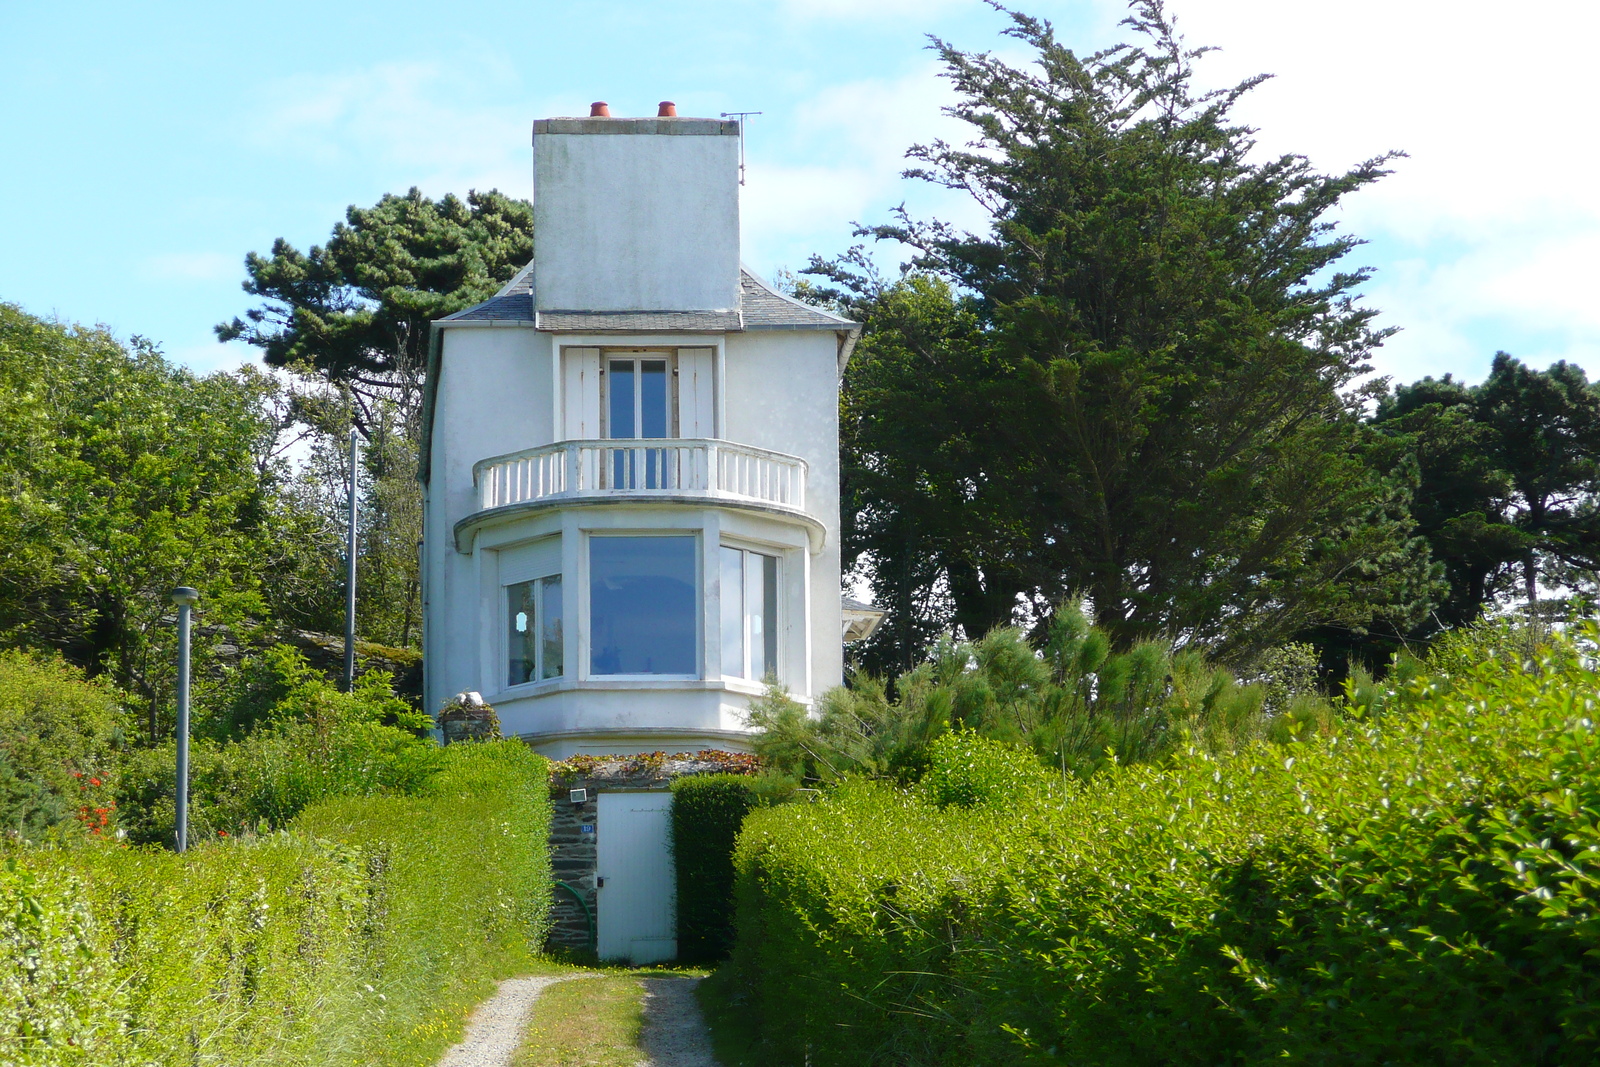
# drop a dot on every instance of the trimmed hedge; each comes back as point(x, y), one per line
point(707, 812)
point(362, 935)
point(1422, 887)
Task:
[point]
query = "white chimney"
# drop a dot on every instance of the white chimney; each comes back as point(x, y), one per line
point(636, 214)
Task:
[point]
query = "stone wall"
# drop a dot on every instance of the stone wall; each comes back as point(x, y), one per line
point(572, 860)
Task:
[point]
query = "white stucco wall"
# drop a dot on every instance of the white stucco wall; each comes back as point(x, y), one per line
point(493, 395)
point(630, 218)
point(783, 394)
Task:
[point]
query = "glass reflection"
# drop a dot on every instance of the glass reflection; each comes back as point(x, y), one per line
point(642, 605)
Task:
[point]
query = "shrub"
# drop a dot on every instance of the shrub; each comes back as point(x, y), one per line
point(967, 769)
point(312, 741)
point(360, 935)
point(1418, 887)
point(58, 741)
point(707, 812)
point(60, 1003)
point(1076, 702)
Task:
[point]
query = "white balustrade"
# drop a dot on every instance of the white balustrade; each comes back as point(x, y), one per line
point(667, 466)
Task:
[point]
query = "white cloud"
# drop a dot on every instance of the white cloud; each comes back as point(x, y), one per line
point(840, 162)
point(1486, 236)
point(204, 357)
point(442, 126)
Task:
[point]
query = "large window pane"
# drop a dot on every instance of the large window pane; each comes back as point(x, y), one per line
point(732, 612)
point(762, 607)
point(642, 605)
point(620, 388)
point(521, 635)
point(652, 398)
point(551, 629)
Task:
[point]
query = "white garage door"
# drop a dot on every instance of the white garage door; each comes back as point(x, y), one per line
point(638, 898)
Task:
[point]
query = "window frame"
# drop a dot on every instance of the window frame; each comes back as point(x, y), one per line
point(776, 612)
point(636, 356)
point(696, 537)
point(539, 582)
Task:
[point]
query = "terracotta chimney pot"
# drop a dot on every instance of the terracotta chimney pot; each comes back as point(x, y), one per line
point(599, 110)
point(668, 110)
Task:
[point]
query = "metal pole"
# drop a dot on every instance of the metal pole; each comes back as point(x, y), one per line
point(185, 598)
point(350, 577)
point(742, 116)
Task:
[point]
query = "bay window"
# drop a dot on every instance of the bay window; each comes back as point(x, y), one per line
point(749, 614)
point(643, 605)
point(534, 630)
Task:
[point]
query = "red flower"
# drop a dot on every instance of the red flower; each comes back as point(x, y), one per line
point(94, 781)
point(222, 833)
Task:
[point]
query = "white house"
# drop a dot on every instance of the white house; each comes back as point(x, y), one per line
point(631, 461)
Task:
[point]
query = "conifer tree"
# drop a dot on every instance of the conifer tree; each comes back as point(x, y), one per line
point(1154, 406)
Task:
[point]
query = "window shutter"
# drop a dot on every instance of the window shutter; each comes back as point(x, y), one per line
point(696, 396)
point(533, 560)
point(581, 367)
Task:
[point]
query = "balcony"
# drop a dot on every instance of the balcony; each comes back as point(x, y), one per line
point(679, 469)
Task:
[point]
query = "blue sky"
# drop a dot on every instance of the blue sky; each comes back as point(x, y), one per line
point(148, 147)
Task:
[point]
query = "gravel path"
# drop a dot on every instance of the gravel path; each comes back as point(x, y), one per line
point(496, 1027)
point(674, 1033)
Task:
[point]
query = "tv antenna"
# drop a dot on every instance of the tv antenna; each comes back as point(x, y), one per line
point(741, 116)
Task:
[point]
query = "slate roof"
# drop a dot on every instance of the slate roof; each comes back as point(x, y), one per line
point(766, 309)
point(651, 321)
point(517, 307)
point(760, 308)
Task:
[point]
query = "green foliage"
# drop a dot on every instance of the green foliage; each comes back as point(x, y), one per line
point(59, 737)
point(1415, 888)
point(966, 769)
point(352, 318)
point(1074, 701)
point(707, 812)
point(363, 935)
point(1135, 381)
point(312, 741)
point(60, 1001)
point(122, 476)
point(1510, 470)
point(356, 311)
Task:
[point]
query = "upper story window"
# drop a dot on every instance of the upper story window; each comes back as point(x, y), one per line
point(643, 605)
point(625, 394)
point(638, 397)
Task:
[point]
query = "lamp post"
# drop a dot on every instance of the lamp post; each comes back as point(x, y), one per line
point(185, 598)
point(350, 570)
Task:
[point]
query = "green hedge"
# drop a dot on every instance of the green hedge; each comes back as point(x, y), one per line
point(1421, 887)
point(707, 811)
point(363, 935)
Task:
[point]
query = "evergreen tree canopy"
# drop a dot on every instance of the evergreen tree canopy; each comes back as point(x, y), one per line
point(1510, 472)
point(356, 310)
point(1139, 387)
